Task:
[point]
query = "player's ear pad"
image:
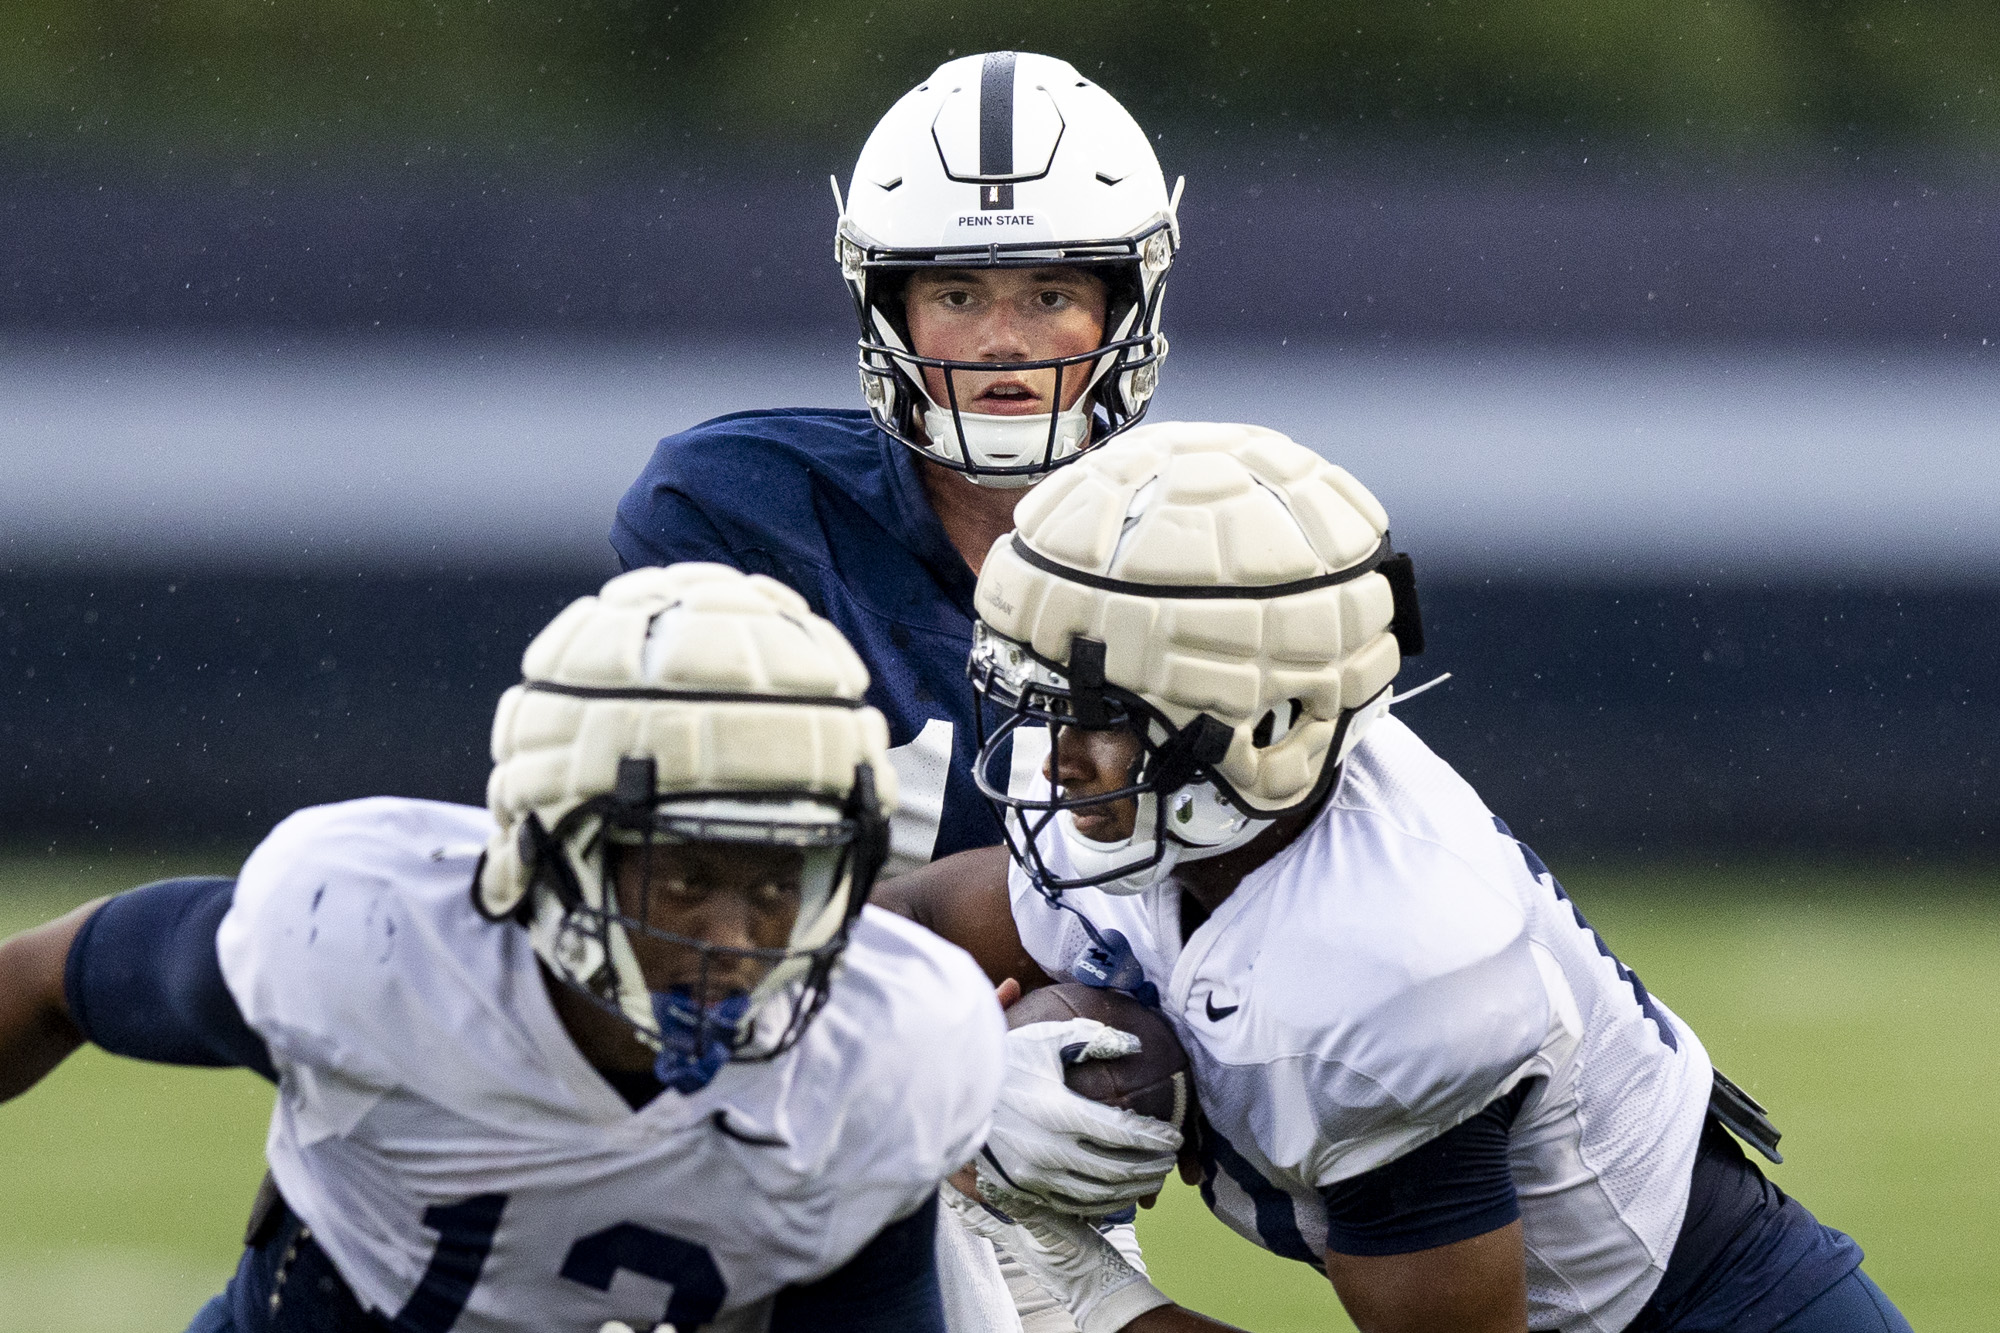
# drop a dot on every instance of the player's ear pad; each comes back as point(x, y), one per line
point(1154, 1082)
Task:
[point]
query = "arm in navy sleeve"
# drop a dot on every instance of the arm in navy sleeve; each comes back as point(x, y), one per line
point(1453, 1188)
point(890, 1287)
point(658, 525)
point(142, 979)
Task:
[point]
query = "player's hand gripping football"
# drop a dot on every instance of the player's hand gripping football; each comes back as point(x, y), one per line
point(1051, 1148)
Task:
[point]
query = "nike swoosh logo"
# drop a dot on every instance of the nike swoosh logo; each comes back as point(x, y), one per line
point(721, 1121)
point(1216, 1015)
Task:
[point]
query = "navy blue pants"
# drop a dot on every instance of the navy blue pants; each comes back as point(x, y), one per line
point(1852, 1305)
point(286, 1264)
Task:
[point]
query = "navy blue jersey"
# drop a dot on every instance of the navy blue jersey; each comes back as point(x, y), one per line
point(825, 503)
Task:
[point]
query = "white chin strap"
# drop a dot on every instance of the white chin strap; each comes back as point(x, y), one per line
point(997, 442)
point(1089, 857)
point(1200, 824)
point(981, 441)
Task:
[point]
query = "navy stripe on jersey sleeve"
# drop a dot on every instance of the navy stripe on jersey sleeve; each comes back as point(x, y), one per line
point(142, 979)
point(890, 1287)
point(1453, 1188)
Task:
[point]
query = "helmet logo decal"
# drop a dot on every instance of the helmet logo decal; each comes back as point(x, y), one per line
point(996, 121)
point(992, 197)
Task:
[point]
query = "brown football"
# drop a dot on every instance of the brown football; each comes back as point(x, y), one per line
point(1154, 1082)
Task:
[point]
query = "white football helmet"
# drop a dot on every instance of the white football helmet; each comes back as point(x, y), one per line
point(1226, 594)
point(1008, 160)
point(691, 704)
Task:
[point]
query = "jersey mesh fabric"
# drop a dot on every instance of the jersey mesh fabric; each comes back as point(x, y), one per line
point(1624, 1111)
point(1636, 1095)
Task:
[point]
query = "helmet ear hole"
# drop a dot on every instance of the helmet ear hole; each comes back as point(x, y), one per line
point(1277, 724)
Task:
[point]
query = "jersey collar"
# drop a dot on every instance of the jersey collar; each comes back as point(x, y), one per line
point(912, 520)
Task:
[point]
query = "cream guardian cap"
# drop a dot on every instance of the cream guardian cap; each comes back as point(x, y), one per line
point(1228, 573)
point(699, 704)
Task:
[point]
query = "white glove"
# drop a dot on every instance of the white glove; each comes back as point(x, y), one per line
point(1051, 1148)
point(1067, 1255)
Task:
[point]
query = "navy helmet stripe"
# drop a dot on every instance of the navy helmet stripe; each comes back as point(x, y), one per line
point(996, 115)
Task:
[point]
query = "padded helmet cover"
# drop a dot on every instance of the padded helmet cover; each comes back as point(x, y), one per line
point(1178, 546)
point(689, 628)
point(741, 704)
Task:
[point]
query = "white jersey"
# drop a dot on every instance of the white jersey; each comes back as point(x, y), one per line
point(447, 1143)
point(1388, 975)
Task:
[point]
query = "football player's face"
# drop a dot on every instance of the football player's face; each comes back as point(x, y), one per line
point(1003, 315)
point(729, 895)
point(1091, 763)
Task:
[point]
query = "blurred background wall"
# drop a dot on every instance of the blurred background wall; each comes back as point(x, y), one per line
point(331, 333)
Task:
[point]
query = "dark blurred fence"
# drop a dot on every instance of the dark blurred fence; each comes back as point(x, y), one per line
point(140, 711)
point(138, 707)
point(1280, 243)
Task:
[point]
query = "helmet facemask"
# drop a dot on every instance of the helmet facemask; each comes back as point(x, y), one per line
point(606, 896)
point(1118, 376)
point(1183, 808)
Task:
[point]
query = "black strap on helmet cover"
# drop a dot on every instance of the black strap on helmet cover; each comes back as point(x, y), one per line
point(541, 853)
point(637, 782)
point(870, 848)
point(1086, 683)
point(1406, 621)
point(1200, 744)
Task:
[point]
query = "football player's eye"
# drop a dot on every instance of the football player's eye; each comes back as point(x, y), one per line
point(1054, 300)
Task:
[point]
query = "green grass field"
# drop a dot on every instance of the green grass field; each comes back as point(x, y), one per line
point(1859, 1005)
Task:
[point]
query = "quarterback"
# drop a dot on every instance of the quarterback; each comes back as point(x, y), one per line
point(1006, 236)
point(625, 1050)
point(1420, 1071)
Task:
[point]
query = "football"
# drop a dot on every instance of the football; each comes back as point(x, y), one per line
point(1154, 1082)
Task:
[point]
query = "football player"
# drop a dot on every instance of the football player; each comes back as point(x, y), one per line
point(1006, 236)
point(1422, 1072)
point(623, 1050)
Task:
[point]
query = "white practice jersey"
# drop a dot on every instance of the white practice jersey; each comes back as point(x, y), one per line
point(448, 1144)
point(1387, 976)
